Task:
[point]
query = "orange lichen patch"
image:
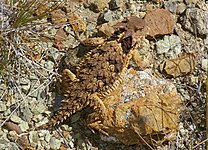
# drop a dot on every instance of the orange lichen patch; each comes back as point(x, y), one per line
point(180, 66)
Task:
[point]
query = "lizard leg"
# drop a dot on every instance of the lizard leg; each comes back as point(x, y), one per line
point(95, 119)
point(67, 74)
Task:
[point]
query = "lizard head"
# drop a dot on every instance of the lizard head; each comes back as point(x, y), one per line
point(131, 31)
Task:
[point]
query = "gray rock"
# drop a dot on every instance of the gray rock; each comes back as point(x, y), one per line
point(170, 45)
point(23, 126)
point(33, 76)
point(45, 145)
point(38, 108)
point(16, 119)
point(27, 114)
point(107, 16)
point(205, 64)
point(171, 6)
point(47, 137)
point(181, 8)
point(2, 107)
point(206, 40)
point(5, 145)
point(55, 54)
point(24, 84)
point(49, 65)
point(24, 81)
point(71, 42)
point(25, 88)
point(33, 138)
point(197, 20)
point(55, 143)
point(188, 2)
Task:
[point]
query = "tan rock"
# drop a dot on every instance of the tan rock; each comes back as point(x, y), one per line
point(159, 22)
point(144, 108)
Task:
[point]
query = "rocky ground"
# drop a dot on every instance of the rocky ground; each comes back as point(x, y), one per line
point(29, 98)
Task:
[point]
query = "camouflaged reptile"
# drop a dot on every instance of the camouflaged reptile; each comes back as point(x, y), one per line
point(99, 73)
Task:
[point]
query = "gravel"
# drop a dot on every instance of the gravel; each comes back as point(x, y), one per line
point(30, 102)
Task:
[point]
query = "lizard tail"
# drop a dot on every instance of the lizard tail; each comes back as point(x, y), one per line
point(67, 108)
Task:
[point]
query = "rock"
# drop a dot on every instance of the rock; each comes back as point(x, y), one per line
point(200, 19)
point(182, 65)
point(16, 119)
point(59, 39)
point(115, 4)
point(25, 88)
point(188, 2)
point(45, 145)
point(105, 17)
point(98, 5)
point(170, 44)
point(49, 65)
point(181, 8)
point(47, 137)
point(106, 29)
point(204, 64)
point(71, 42)
point(24, 81)
point(33, 138)
point(24, 84)
point(33, 77)
point(55, 143)
point(24, 126)
point(145, 106)
point(159, 22)
point(171, 6)
point(5, 145)
point(206, 40)
point(55, 54)
point(2, 107)
point(38, 108)
point(12, 135)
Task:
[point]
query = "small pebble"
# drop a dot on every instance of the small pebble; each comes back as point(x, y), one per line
point(2, 107)
point(55, 143)
point(181, 8)
point(171, 6)
point(24, 126)
point(98, 5)
point(16, 119)
point(204, 64)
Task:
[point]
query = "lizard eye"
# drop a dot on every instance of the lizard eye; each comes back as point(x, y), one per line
point(126, 44)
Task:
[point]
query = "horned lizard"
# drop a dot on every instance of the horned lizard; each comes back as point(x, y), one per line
point(99, 73)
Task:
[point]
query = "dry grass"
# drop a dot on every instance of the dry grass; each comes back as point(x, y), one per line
point(20, 30)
